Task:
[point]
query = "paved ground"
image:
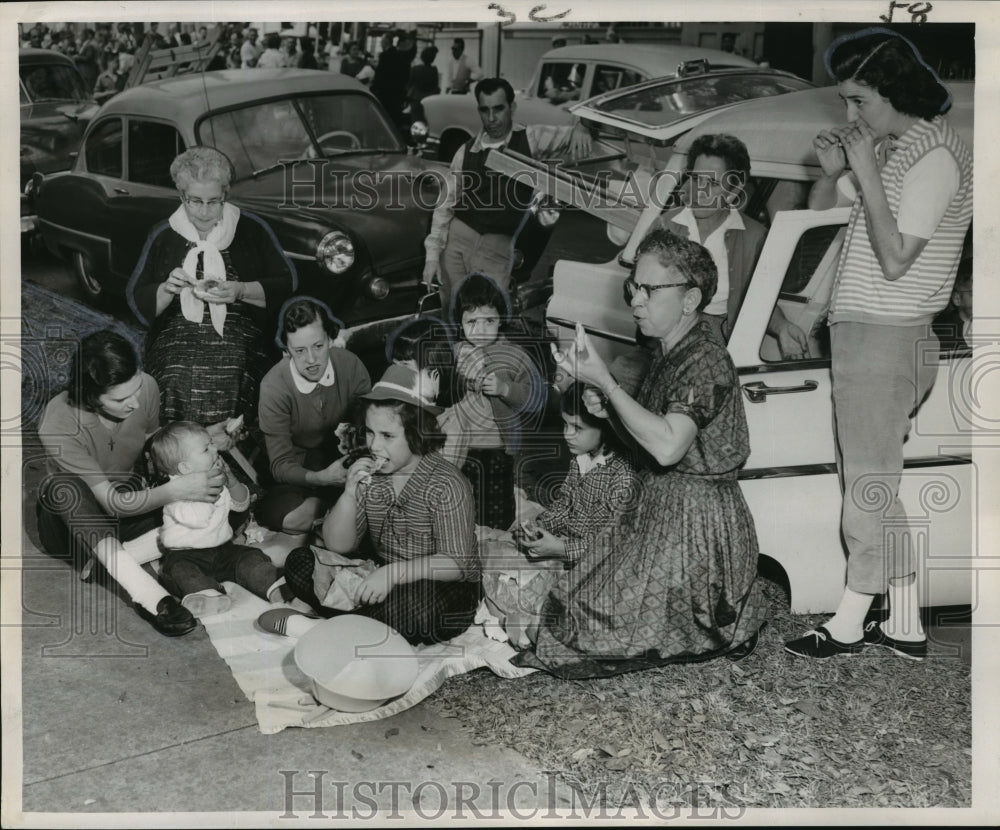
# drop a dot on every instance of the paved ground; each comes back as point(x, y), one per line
point(118, 718)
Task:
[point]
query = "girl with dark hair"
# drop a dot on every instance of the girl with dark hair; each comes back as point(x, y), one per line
point(303, 398)
point(502, 387)
point(601, 484)
point(92, 501)
point(909, 178)
point(415, 509)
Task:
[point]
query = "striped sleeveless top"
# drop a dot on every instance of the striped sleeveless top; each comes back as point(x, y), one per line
point(861, 292)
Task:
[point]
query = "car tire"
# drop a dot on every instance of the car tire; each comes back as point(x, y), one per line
point(85, 275)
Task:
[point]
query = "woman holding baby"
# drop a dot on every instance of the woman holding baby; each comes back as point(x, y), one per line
point(208, 285)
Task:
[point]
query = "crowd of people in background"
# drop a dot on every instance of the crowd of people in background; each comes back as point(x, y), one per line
point(105, 54)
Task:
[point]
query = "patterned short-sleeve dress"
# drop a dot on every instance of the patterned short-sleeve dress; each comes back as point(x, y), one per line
point(674, 580)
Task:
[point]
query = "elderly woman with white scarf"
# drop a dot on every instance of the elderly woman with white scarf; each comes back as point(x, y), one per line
point(208, 285)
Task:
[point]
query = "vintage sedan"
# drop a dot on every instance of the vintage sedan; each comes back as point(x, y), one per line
point(55, 108)
point(315, 155)
point(563, 77)
point(790, 479)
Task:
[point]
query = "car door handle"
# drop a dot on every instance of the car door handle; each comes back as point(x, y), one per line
point(758, 391)
point(121, 191)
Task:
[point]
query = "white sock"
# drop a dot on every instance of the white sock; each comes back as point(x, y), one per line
point(846, 624)
point(904, 610)
point(129, 574)
point(144, 548)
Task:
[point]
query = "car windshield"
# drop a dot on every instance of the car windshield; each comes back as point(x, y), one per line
point(257, 138)
point(674, 99)
point(52, 82)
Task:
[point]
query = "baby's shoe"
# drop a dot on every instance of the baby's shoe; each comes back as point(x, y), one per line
point(207, 603)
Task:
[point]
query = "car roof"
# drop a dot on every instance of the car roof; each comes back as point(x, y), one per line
point(779, 131)
point(189, 96)
point(27, 55)
point(654, 60)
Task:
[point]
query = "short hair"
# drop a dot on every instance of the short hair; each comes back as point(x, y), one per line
point(891, 65)
point(166, 447)
point(487, 86)
point(421, 429)
point(428, 54)
point(102, 360)
point(419, 340)
point(690, 259)
point(729, 148)
point(272, 40)
point(478, 291)
point(963, 276)
point(299, 312)
point(571, 403)
point(458, 42)
point(201, 164)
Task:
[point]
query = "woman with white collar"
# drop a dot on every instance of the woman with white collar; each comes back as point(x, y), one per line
point(207, 284)
point(303, 399)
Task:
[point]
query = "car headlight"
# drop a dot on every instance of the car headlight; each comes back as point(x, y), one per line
point(336, 252)
point(418, 130)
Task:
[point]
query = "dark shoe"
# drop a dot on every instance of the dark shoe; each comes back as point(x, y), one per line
point(744, 649)
point(171, 619)
point(819, 644)
point(910, 649)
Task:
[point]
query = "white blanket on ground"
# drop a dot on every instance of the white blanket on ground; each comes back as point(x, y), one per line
point(265, 669)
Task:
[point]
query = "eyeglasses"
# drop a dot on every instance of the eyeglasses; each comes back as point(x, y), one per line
point(630, 288)
point(201, 203)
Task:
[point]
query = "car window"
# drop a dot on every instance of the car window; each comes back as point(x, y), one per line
point(104, 149)
point(561, 81)
point(804, 298)
point(24, 94)
point(53, 82)
point(671, 100)
point(260, 137)
point(608, 78)
point(151, 148)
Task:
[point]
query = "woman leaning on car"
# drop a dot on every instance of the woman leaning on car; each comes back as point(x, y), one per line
point(208, 285)
point(909, 178)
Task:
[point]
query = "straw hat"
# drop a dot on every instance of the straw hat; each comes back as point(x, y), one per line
point(402, 384)
point(355, 663)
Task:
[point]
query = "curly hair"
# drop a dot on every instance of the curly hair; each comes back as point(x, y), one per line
point(201, 164)
point(733, 153)
point(891, 65)
point(299, 312)
point(688, 258)
point(103, 359)
point(479, 291)
point(421, 428)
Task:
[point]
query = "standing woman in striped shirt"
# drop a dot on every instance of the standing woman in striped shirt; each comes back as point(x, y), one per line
point(909, 178)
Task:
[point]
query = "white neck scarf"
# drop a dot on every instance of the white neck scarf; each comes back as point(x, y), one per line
point(214, 267)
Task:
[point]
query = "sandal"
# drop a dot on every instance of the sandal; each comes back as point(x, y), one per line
point(274, 622)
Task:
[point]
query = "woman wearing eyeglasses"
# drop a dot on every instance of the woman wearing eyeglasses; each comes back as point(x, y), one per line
point(208, 284)
point(674, 579)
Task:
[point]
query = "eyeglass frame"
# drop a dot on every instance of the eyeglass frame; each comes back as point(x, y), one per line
point(195, 202)
point(630, 286)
